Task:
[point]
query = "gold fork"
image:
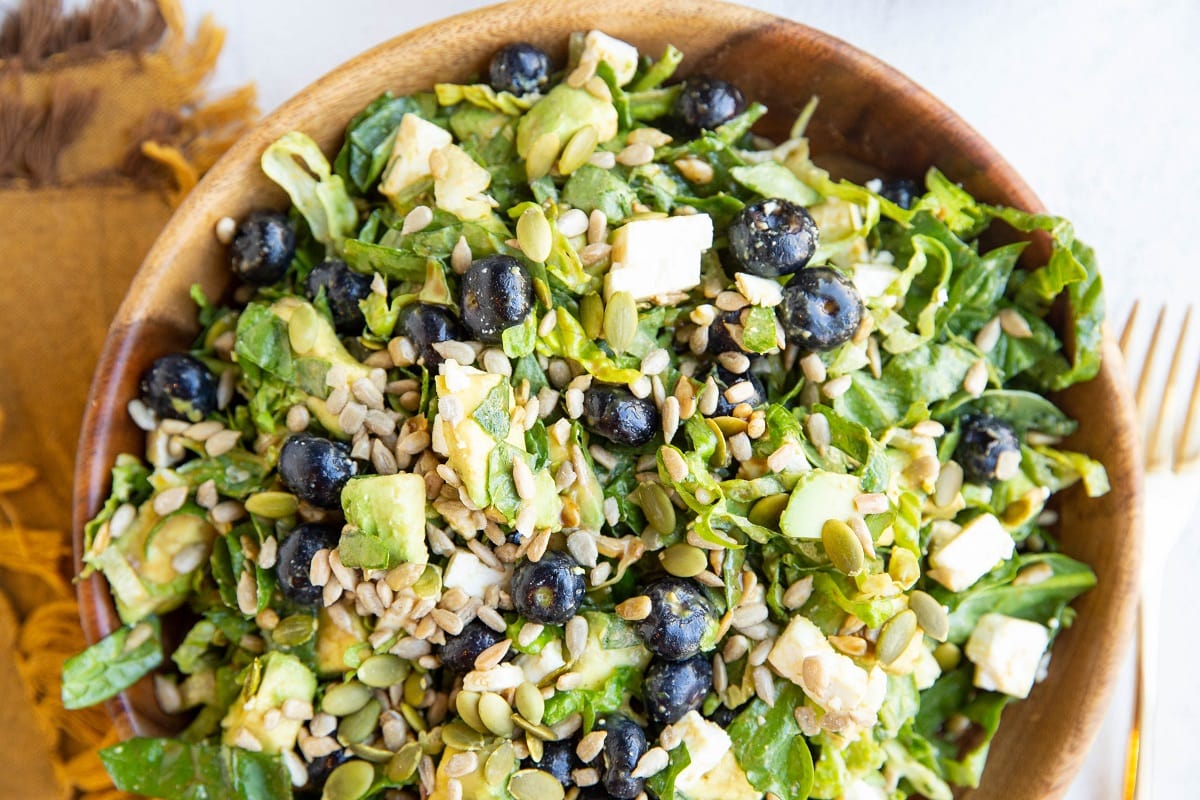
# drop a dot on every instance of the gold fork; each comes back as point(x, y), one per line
point(1171, 463)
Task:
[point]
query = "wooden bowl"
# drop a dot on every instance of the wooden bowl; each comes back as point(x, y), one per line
point(869, 114)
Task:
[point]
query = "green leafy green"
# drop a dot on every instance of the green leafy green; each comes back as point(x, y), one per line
point(768, 745)
point(758, 335)
point(319, 194)
point(492, 412)
point(590, 188)
point(772, 179)
point(662, 783)
point(112, 664)
point(369, 138)
point(173, 770)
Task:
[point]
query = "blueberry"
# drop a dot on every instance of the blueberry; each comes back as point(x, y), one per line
point(616, 414)
point(315, 469)
point(319, 770)
point(725, 379)
point(624, 745)
point(723, 715)
point(673, 688)
point(559, 759)
point(900, 191)
point(519, 68)
point(820, 309)
point(262, 247)
point(550, 590)
point(497, 293)
point(773, 237)
point(296, 554)
point(720, 338)
point(344, 288)
point(425, 325)
point(983, 439)
point(179, 386)
point(708, 102)
point(460, 651)
point(680, 617)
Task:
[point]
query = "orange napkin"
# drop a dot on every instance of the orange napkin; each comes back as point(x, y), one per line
point(103, 127)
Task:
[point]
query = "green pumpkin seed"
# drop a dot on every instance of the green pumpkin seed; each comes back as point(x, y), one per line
point(931, 615)
point(843, 547)
point(947, 655)
point(404, 763)
point(500, 764)
point(534, 234)
point(534, 784)
point(731, 426)
point(414, 719)
point(657, 506)
point(350, 781)
point(720, 456)
point(903, 567)
point(541, 155)
point(414, 688)
point(591, 315)
point(534, 731)
point(578, 150)
point(895, 636)
point(429, 584)
point(767, 511)
point(303, 327)
point(620, 321)
point(496, 714)
point(376, 755)
point(294, 630)
point(536, 748)
point(344, 699)
point(383, 670)
point(467, 704)
point(359, 726)
point(460, 736)
point(530, 702)
point(683, 560)
point(272, 505)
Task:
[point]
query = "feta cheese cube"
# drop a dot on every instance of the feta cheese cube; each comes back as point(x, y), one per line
point(707, 743)
point(872, 280)
point(971, 554)
point(459, 183)
point(416, 140)
point(621, 56)
point(1006, 652)
point(465, 571)
point(658, 256)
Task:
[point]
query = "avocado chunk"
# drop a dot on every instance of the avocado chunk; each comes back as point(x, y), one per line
point(612, 644)
point(271, 681)
point(333, 643)
point(564, 112)
point(140, 564)
point(819, 496)
point(490, 783)
point(315, 349)
point(591, 187)
point(386, 521)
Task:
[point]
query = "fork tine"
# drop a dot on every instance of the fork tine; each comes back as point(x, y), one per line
point(1184, 458)
point(1127, 331)
point(1143, 384)
point(1159, 451)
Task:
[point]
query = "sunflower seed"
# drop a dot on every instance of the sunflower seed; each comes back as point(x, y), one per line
point(603, 159)
point(740, 392)
point(168, 501)
point(582, 546)
point(461, 764)
point(871, 503)
point(949, 482)
point(576, 636)
point(1014, 324)
point(696, 170)
point(746, 616)
point(976, 379)
point(929, 427)
point(988, 335)
point(652, 762)
point(837, 387)
point(460, 256)
point(635, 608)
point(764, 685)
point(1008, 464)
point(818, 431)
point(534, 234)
point(417, 220)
point(579, 149)
point(620, 321)
point(655, 361)
point(636, 154)
point(490, 617)
point(673, 462)
point(843, 547)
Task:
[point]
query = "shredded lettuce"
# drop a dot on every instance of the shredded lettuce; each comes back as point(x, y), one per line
point(296, 163)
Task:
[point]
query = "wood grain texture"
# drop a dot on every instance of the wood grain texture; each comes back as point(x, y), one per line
point(869, 114)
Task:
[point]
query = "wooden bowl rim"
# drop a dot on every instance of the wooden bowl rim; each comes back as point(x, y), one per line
point(104, 408)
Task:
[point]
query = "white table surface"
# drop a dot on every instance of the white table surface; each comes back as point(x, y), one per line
point(1095, 102)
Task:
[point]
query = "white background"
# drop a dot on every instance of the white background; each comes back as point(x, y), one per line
point(1096, 103)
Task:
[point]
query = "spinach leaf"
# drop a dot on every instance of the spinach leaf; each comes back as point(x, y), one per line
point(112, 664)
point(662, 784)
point(262, 340)
point(759, 332)
point(591, 187)
point(492, 413)
point(1039, 602)
point(768, 745)
point(173, 770)
point(369, 139)
point(772, 179)
point(1025, 411)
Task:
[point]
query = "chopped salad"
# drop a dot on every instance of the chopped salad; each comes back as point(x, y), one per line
point(565, 438)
